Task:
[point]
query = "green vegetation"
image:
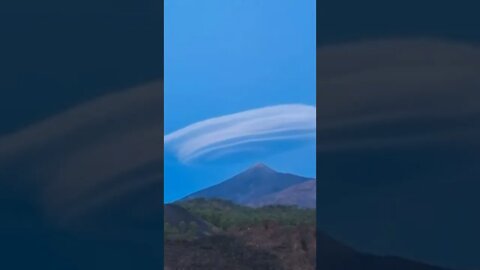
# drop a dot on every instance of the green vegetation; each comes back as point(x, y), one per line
point(180, 232)
point(224, 214)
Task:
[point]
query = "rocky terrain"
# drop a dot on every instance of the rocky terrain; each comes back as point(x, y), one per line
point(263, 247)
point(273, 237)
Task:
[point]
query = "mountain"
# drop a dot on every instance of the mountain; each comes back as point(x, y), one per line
point(302, 195)
point(256, 182)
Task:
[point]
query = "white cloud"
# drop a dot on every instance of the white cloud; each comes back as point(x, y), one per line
point(273, 123)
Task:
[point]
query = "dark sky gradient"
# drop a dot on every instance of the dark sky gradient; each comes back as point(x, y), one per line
point(347, 20)
point(55, 55)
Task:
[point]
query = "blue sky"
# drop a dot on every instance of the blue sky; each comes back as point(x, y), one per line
point(225, 57)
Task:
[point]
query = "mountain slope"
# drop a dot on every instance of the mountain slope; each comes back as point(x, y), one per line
point(175, 214)
point(302, 195)
point(255, 182)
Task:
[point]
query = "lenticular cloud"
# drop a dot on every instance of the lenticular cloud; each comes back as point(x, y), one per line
point(214, 135)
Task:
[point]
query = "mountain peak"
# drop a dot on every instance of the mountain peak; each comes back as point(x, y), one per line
point(260, 166)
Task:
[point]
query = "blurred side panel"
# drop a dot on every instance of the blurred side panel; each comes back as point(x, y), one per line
point(81, 128)
point(397, 135)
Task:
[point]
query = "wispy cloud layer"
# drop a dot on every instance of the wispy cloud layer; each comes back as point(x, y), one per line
point(396, 93)
point(273, 123)
point(81, 161)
